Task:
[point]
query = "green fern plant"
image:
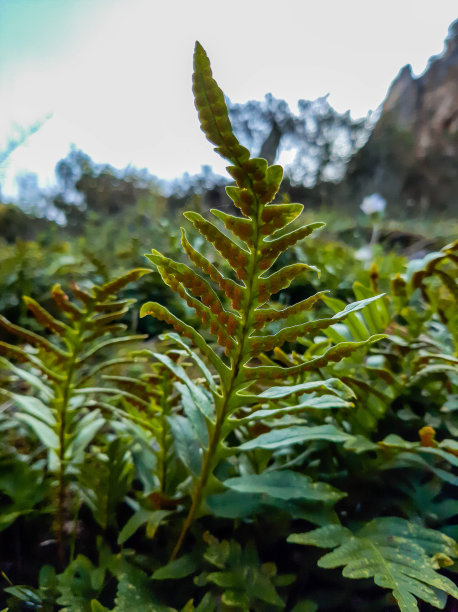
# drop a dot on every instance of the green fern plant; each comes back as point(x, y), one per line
point(398, 555)
point(157, 407)
point(246, 584)
point(238, 314)
point(418, 359)
point(436, 276)
point(60, 368)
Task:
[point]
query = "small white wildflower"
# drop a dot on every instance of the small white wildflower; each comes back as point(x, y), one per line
point(364, 254)
point(373, 204)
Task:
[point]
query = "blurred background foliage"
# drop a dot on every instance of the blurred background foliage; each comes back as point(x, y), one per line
point(97, 221)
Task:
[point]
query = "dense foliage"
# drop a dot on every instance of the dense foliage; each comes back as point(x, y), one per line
point(202, 468)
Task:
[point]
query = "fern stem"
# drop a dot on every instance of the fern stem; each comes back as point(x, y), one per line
point(61, 477)
point(196, 499)
point(200, 485)
point(62, 446)
point(75, 526)
point(237, 362)
point(164, 449)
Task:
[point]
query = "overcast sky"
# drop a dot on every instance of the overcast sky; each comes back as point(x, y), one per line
point(116, 74)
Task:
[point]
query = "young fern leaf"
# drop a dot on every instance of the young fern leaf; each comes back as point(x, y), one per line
point(251, 245)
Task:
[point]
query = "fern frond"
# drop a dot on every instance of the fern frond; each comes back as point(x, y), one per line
point(267, 315)
point(397, 554)
point(22, 356)
point(232, 290)
point(64, 304)
point(235, 255)
point(163, 314)
point(113, 287)
point(212, 110)
point(242, 228)
point(63, 417)
point(45, 318)
point(250, 244)
point(33, 338)
point(274, 246)
point(332, 354)
point(281, 279)
point(290, 334)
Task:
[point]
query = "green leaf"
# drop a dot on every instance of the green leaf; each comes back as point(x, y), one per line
point(44, 433)
point(290, 334)
point(284, 484)
point(231, 289)
point(24, 593)
point(409, 459)
point(86, 430)
point(232, 252)
point(111, 391)
point(79, 584)
point(376, 314)
point(135, 592)
point(104, 480)
point(205, 371)
point(33, 406)
point(113, 287)
point(334, 353)
point(331, 385)
point(392, 551)
point(179, 568)
point(273, 245)
point(395, 441)
point(194, 283)
point(207, 603)
point(281, 215)
point(354, 322)
point(152, 518)
point(329, 536)
point(45, 318)
point(33, 380)
point(234, 504)
point(33, 338)
point(194, 414)
point(360, 444)
point(278, 438)
point(322, 402)
point(239, 226)
point(265, 315)
point(97, 606)
point(163, 314)
point(187, 445)
point(281, 279)
point(432, 370)
point(197, 394)
point(439, 452)
point(26, 356)
point(22, 487)
point(240, 576)
point(111, 342)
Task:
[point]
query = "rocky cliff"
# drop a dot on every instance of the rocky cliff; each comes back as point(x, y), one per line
point(411, 157)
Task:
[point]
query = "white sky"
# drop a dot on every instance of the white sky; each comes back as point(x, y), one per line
point(116, 74)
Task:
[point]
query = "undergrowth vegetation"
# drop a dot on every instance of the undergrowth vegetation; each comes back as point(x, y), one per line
point(280, 412)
